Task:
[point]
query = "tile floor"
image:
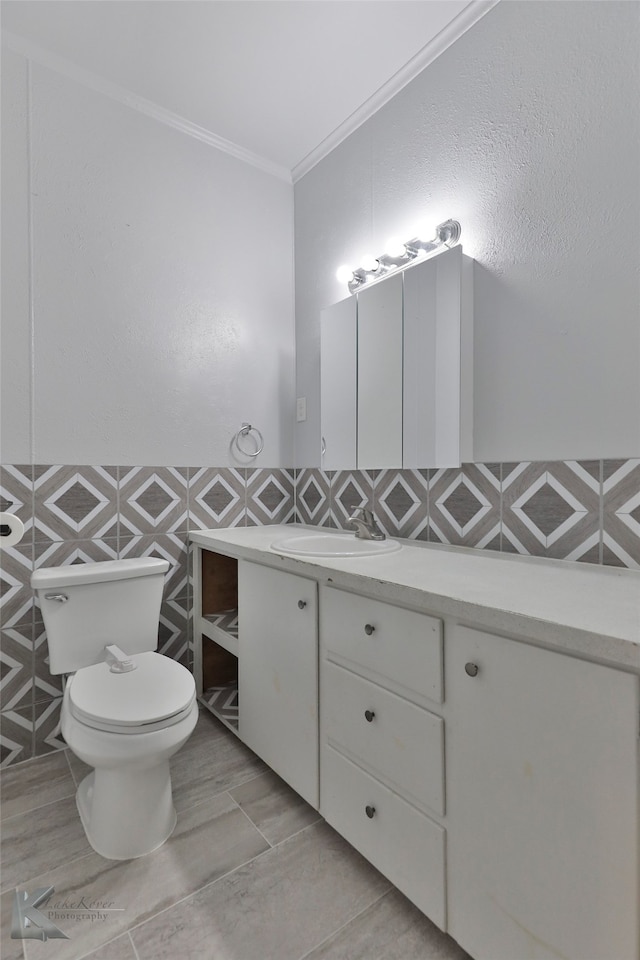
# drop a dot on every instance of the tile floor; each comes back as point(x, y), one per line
point(250, 873)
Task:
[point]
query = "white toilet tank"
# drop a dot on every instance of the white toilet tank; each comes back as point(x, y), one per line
point(87, 606)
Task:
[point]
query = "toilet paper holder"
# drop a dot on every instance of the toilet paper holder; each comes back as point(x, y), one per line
point(11, 527)
point(5, 528)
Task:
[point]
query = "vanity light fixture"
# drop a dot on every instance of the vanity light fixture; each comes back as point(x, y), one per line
point(398, 254)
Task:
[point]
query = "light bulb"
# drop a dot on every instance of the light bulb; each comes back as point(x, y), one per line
point(369, 263)
point(395, 248)
point(426, 232)
point(344, 273)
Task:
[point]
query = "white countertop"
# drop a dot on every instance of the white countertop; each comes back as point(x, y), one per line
point(582, 609)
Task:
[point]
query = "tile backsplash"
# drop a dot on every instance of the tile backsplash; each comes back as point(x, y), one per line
point(80, 514)
point(573, 510)
point(584, 510)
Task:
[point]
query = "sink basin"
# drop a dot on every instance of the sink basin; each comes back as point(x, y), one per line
point(332, 545)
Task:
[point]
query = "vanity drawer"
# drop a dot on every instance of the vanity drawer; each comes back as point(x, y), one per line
point(400, 841)
point(399, 648)
point(400, 743)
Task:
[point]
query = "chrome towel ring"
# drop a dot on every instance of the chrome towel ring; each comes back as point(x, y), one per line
point(244, 431)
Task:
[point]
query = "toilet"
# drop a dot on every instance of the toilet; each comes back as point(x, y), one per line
point(126, 709)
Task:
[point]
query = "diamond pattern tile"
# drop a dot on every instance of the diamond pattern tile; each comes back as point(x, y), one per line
point(73, 503)
point(16, 736)
point(547, 509)
point(16, 667)
point(168, 546)
point(16, 595)
point(46, 685)
point(152, 500)
point(401, 503)
point(552, 509)
point(350, 489)
point(216, 498)
point(16, 493)
point(225, 620)
point(621, 512)
point(313, 497)
point(224, 701)
point(464, 506)
point(46, 716)
point(270, 496)
point(173, 633)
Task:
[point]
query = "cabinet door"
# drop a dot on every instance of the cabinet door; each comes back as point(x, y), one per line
point(542, 787)
point(338, 360)
point(278, 673)
point(380, 375)
point(438, 362)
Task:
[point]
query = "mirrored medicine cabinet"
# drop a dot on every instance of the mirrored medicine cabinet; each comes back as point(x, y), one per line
point(396, 370)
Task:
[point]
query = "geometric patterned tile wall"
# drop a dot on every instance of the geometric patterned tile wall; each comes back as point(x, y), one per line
point(587, 510)
point(575, 510)
point(80, 514)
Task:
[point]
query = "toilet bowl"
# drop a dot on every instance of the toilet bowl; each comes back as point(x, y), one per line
point(126, 709)
point(128, 737)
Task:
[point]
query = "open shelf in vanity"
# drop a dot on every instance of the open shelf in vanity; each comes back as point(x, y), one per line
point(216, 620)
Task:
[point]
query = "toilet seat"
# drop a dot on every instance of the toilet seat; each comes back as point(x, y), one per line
point(157, 694)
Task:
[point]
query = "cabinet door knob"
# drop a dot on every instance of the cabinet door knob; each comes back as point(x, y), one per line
point(302, 604)
point(369, 715)
point(368, 629)
point(370, 812)
point(471, 669)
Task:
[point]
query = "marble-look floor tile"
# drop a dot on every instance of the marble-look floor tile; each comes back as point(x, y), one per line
point(209, 764)
point(275, 908)
point(119, 949)
point(35, 783)
point(9, 949)
point(392, 929)
point(210, 840)
point(37, 841)
point(277, 811)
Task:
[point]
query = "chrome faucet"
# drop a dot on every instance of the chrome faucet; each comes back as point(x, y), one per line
point(365, 523)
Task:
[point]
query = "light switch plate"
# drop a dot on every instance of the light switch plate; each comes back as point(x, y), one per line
point(301, 409)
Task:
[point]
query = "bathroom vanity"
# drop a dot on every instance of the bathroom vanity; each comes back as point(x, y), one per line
point(468, 721)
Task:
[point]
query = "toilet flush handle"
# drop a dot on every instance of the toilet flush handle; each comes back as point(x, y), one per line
point(118, 659)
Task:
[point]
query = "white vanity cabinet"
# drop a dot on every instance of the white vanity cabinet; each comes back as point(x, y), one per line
point(542, 802)
point(381, 743)
point(478, 743)
point(278, 673)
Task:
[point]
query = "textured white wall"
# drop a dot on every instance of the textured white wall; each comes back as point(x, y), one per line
point(527, 131)
point(161, 286)
point(15, 334)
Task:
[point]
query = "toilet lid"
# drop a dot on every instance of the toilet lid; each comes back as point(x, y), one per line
point(157, 690)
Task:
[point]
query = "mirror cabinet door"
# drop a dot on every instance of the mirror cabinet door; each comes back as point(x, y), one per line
point(338, 364)
point(380, 375)
point(397, 370)
point(438, 362)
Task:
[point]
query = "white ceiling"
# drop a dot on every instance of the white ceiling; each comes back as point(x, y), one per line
point(285, 80)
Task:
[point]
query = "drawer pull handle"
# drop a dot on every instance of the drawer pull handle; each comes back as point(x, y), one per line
point(370, 812)
point(471, 669)
point(369, 715)
point(302, 604)
point(368, 629)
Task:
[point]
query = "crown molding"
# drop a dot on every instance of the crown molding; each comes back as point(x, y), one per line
point(101, 85)
point(437, 45)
